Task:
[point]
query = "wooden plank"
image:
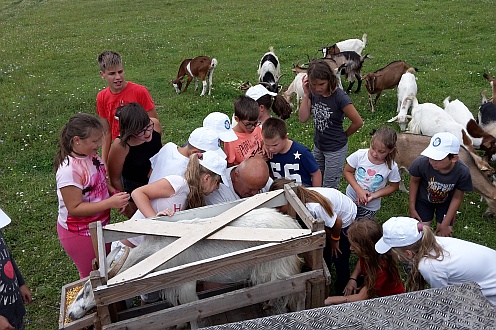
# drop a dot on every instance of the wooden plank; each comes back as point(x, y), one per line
point(158, 258)
point(94, 238)
point(301, 210)
point(132, 228)
point(102, 253)
point(215, 305)
point(315, 292)
point(210, 211)
point(208, 267)
point(102, 310)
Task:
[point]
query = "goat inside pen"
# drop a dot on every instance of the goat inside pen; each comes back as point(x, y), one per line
point(310, 285)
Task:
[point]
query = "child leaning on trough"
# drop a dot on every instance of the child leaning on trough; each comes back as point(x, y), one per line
point(287, 158)
point(438, 182)
point(375, 275)
point(249, 142)
point(338, 212)
point(328, 105)
point(14, 292)
point(369, 170)
point(118, 92)
point(438, 261)
point(82, 189)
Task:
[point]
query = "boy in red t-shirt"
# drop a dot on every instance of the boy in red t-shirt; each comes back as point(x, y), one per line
point(118, 92)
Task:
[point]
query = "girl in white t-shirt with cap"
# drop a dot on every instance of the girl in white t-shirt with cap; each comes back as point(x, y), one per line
point(438, 261)
point(174, 193)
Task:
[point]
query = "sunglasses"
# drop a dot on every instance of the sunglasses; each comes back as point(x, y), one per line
point(147, 129)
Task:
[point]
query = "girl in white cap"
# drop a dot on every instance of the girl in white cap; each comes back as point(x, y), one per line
point(438, 261)
point(174, 193)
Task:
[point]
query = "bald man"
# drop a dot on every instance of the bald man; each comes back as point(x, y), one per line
point(245, 180)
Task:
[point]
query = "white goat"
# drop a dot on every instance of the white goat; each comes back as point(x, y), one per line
point(257, 274)
point(462, 115)
point(429, 119)
point(407, 93)
point(352, 45)
point(296, 87)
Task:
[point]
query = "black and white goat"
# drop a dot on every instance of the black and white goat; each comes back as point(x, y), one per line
point(185, 293)
point(269, 71)
point(350, 45)
point(199, 67)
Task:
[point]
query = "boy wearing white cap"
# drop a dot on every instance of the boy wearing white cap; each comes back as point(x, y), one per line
point(438, 182)
point(438, 261)
point(14, 292)
point(173, 160)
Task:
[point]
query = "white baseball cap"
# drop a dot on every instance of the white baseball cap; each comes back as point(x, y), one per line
point(4, 219)
point(207, 140)
point(214, 163)
point(441, 145)
point(257, 91)
point(220, 123)
point(398, 232)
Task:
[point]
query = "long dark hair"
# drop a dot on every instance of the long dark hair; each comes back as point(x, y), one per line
point(82, 125)
point(132, 120)
point(363, 234)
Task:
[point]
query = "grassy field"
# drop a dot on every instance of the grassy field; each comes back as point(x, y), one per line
point(48, 72)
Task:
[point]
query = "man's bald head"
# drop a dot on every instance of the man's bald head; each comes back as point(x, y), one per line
point(250, 177)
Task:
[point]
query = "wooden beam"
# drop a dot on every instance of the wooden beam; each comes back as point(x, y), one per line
point(158, 258)
point(218, 304)
point(131, 228)
point(202, 269)
point(102, 252)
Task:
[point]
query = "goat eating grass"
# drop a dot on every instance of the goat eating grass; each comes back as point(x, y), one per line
point(199, 67)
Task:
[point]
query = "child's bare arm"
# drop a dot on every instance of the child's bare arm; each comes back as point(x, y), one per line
point(361, 194)
point(444, 229)
point(73, 200)
point(305, 105)
point(317, 179)
point(412, 196)
point(387, 190)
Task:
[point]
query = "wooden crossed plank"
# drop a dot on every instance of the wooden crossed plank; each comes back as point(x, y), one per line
point(158, 258)
point(130, 228)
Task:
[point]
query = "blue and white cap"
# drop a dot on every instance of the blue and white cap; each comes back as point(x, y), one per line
point(220, 123)
point(441, 145)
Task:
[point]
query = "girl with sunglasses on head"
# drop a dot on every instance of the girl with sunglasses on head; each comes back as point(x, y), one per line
point(129, 156)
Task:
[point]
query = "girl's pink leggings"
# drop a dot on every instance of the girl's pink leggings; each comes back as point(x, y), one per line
point(79, 248)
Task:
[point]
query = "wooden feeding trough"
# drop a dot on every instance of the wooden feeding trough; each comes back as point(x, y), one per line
point(141, 278)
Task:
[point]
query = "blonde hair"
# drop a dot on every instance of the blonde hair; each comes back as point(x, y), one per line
point(388, 137)
point(426, 247)
point(305, 195)
point(193, 175)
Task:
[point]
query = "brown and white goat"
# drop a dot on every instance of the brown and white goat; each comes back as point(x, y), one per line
point(349, 64)
point(349, 45)
point(385, 78)
point(199, 67)
point(410, 146)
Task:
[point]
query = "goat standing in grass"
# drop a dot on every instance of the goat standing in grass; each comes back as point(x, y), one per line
point(199, 67)
point(407, 93)
point(386, 78)
point(269, 71)
point(352, 45)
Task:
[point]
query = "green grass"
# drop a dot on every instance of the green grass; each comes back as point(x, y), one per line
point(48, 72)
